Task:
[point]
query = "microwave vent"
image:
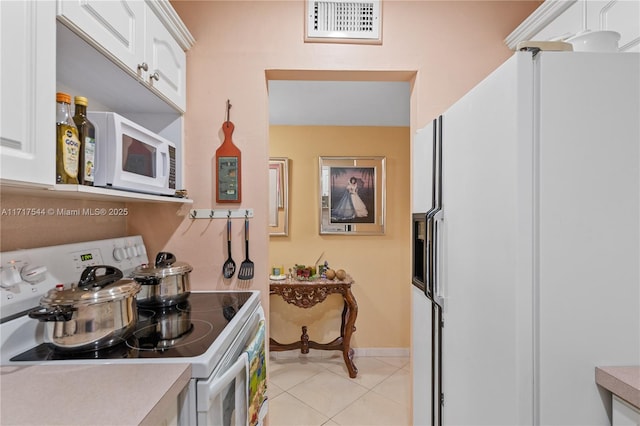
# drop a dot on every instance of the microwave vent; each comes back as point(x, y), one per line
point(353, 21)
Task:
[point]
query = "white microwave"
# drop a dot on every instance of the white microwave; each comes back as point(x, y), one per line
point(132, 158)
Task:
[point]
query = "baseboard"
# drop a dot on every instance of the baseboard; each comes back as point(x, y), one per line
point(382, 352)
point(358, 352)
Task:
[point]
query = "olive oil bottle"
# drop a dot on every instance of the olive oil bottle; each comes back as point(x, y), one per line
point(87, 136)
point(67, 143)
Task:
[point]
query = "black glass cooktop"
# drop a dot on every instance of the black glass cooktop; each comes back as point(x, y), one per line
point(184, 330)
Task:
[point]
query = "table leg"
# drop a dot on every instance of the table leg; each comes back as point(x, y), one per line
point(350, 313)
point(304, 340)
point(343, 322)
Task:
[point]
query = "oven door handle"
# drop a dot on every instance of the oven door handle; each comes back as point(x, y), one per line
point(212, 398)
point(219, 383)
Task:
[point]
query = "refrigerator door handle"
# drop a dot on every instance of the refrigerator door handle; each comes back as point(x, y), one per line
point(435, 206)
point(434, 171)
point(435, 174)
point(438, 293)
point(431, 253)
point(434, 214)
point(436, 218)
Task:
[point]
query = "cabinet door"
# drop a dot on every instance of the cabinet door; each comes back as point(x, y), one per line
point(167, 62)
point(623, 413)
point(115, 28)
point(27, 84)
point(614, 15)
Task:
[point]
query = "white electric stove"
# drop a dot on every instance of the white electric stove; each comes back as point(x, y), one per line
point(221, 326)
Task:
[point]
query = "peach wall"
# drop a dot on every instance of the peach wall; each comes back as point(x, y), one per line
point(451, 45)
point(378, 263)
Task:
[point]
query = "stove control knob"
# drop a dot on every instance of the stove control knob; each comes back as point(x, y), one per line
point(131, 252)
point(33, 274)
point(10, 275)
point(119, 254)
point(141, 250)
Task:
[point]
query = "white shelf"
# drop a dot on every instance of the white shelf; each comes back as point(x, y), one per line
point(93, 193)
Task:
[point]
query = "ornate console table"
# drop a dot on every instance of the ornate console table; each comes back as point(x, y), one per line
point(305, 294)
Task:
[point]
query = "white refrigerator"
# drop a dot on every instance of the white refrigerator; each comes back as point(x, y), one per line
point(533, 256)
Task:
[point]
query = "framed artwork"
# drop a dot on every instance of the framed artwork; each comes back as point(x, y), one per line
point(352, 195)
point(278, 196)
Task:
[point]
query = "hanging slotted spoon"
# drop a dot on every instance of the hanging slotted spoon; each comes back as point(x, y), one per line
point(246, 267)
point(229, 267)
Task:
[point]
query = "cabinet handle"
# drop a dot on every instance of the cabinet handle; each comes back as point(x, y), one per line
point(155, 76)
point(143, 66)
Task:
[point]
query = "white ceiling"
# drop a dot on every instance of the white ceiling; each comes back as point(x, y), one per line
point(338, 103)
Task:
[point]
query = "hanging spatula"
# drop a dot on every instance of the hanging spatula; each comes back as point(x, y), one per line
point(246, 267)
point(229, 267)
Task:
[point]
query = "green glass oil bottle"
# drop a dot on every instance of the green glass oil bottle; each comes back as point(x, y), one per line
point(87, 136)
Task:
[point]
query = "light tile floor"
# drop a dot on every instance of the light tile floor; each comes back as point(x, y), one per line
point(314, 391)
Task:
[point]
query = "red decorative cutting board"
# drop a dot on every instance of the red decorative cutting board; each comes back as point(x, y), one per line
point(228, 167)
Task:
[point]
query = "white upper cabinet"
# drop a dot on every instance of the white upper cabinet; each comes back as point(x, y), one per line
point(125, 56)
point(560, 19)
point(621, 16)
point(167, 63)
point(116, 28)
point(130, 34)
point(27, 84)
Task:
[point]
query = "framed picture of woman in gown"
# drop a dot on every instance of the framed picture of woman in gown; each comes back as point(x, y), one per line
point(352, 195)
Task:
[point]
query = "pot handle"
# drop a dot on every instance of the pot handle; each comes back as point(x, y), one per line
point(90, 279)
point(147, 280)
point(58, 313)
point(164, 259)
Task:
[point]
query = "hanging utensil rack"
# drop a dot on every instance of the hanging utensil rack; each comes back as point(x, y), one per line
point(220, 213)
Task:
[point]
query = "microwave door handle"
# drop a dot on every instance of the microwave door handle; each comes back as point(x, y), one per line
point(165, 163)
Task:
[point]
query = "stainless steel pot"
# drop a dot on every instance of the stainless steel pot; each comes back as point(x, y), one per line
point(161, 328)
point(98, 312)
point(164, 283)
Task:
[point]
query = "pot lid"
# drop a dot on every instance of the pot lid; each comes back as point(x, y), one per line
point(93, 288)
point(165, 265)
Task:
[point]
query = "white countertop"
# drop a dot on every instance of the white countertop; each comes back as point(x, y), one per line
point(621, 381)
point(113, 394)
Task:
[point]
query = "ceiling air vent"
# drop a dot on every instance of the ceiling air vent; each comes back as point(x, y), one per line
point(355, 21)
